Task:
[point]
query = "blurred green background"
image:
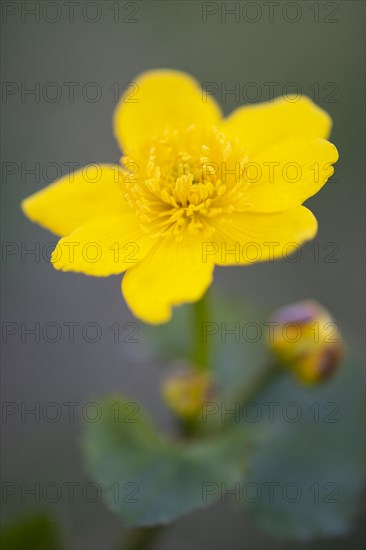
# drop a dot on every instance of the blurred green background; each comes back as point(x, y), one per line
point(317, 45)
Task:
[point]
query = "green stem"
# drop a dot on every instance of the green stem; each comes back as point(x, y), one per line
point(260, 382)
point(200, 348)
point(265, 377)
point(252, 390)
point(142, 539)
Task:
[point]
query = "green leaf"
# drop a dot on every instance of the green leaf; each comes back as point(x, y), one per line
point(35, 533)
point(147, 479)
point(304, 478)
point(313, 455)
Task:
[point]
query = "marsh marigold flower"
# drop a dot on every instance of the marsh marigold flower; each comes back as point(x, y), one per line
point(193, 190)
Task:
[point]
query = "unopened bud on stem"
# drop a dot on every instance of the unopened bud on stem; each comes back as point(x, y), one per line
point(306, 338)
point(185, 391)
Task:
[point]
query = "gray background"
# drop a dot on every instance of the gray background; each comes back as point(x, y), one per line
point(173, 35)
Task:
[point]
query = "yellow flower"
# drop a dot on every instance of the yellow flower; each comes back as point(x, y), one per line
point(193, 190)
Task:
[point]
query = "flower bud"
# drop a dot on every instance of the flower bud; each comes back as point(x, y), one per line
point(186, 390)
point(306, 338)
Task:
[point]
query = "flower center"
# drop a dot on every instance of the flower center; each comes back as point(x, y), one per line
point(181, 180)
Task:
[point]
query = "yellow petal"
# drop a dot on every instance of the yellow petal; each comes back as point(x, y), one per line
point(259, 126)
point(173, 273)
point(104, 246)
point(162, 99)
point(252, 237)
point(76, 198)
point(288, 173)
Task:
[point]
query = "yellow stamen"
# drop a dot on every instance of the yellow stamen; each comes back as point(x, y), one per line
point(185, 179)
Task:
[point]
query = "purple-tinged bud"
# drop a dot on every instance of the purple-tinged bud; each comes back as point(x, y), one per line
point(306, 338)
